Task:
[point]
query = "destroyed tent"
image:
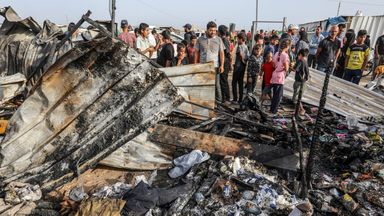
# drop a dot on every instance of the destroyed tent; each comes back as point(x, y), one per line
point(94, 99)
point(25, 46)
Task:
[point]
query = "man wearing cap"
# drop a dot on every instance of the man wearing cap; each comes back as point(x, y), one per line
point(292, 30)
point(188, 32)
point(126, 36)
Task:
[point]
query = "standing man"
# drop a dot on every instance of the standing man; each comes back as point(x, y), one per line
point(341, 34)
point(188, 32)
point(211, 48)
point(126, 36)
point(292, 31)
point(142, 43)
point(313, 44)
point(223, 32)
point(240, 66)
point(357, 58)
point(328, 51)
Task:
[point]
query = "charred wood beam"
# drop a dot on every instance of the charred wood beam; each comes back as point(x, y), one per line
point(252, 123)
point(78, 24)
point(205, 123)
point(222, 146)
point(103, 31)
point(300, 144)
point(315, 146)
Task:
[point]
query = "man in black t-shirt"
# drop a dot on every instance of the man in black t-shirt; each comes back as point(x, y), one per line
point(188, 32)
point(165, 58)
point(223, 33)
point(328, 51)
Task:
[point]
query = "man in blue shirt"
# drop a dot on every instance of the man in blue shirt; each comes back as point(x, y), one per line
point(313, 44)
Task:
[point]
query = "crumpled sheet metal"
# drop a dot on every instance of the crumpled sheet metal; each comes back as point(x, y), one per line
point(92, 101)
point(11, 86)
point(25, 47)
point(344, 98)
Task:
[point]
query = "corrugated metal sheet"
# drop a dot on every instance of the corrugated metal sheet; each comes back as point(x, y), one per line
point(197, 84)
point(90, 102)
point(343, 97)
point(373, 24)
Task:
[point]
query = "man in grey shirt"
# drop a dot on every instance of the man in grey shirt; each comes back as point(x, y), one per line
point(211, 48)
point(313, 44)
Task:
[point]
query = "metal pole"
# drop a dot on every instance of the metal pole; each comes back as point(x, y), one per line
point(113, 9)
point(299, 144)
point(257, 14)
point(315, 148)
point(338, 9)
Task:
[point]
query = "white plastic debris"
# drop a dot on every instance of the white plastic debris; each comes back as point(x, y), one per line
point(138, 179)
point(17, 192)
point(236, 167)
point(185, 162)
point(115, 191)
point(77, 194)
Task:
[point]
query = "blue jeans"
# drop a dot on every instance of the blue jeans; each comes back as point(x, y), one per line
point(277, 96)
point(353, 75)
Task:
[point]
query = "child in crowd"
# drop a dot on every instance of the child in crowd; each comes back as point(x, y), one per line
point(267, 70)
point(301, 77)
point(191, 49)
point(281, 62)
point(254, 68)
point(239, 69)
point(181, 58)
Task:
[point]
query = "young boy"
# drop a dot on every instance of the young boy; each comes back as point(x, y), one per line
point(181, 58)
point(239, 70)
point(254, 68)
point(301, 77)
point(191, 49)
point(357, 58)
point(266, 71)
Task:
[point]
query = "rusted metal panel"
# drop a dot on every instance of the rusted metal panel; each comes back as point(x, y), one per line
point(197, 84)
point(92, 101)
point(344, 98)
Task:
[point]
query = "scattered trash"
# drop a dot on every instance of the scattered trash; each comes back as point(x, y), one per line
point(115, 191)
point(77, 194)
point(103, 206)
point(17, 192)
point(142, 198)
point(248, 195)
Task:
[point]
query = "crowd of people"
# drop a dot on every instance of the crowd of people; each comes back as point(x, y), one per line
point(269, 61)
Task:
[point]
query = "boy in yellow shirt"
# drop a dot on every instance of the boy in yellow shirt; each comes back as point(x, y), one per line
point(357, 58)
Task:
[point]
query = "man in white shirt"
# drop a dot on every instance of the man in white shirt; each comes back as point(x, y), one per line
point(143, 44)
